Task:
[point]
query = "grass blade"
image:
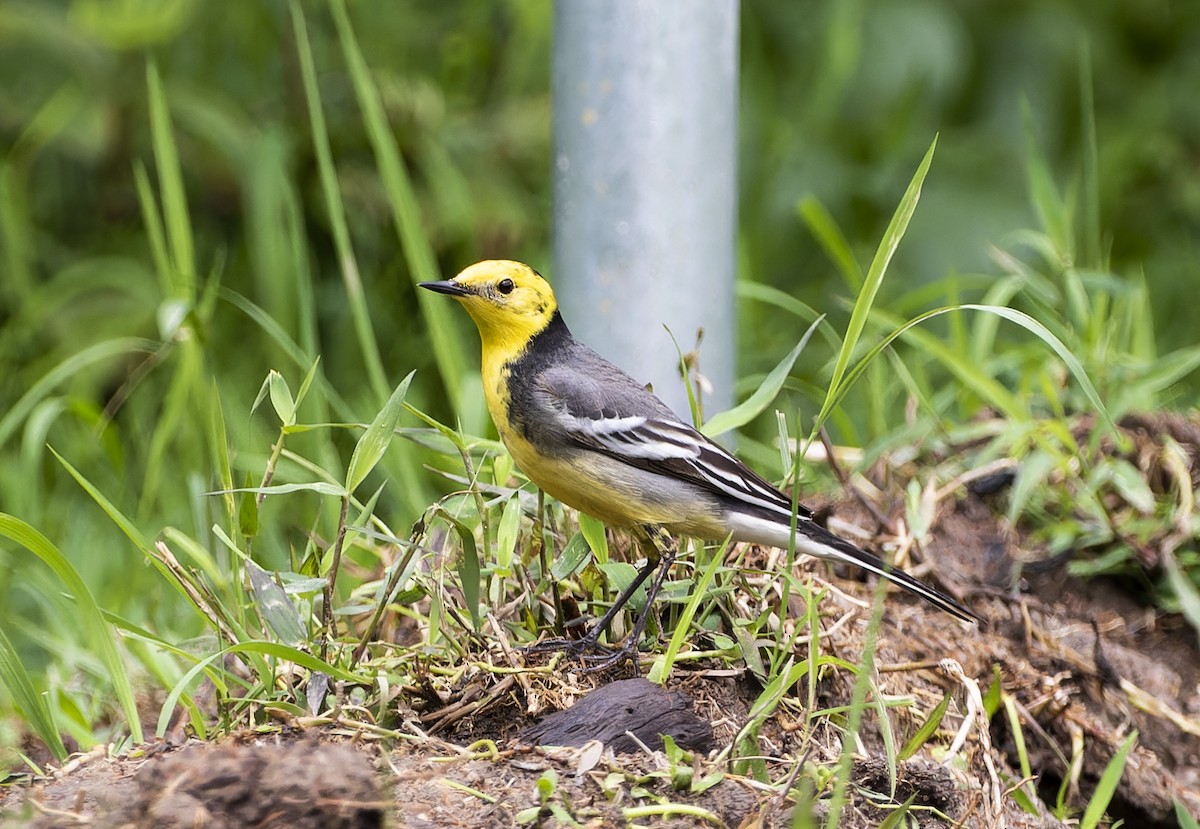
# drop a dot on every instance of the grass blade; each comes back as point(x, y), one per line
point(275, 607)
point(91, 618)
point(1107, 786)
point(468, 568)
point(69, 367)
point(866, 297)
point(29, 702)
point(752, 406)
point(170, 182)
point(337, 211)
point(110, 509)
point(273, 649)
point(829, 236)
point(374, 442)
point(927, 729)
point(662, 665)
point(406, 214)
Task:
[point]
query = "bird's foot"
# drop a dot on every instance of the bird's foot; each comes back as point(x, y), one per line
point(589, 651)
point(612, 658)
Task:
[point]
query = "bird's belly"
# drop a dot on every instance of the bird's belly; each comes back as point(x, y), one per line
point(618, 494)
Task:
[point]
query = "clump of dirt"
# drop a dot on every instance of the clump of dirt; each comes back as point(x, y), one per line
point(307, 784)
point(300, 785)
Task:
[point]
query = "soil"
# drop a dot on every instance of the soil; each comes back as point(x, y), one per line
point(1081, 665)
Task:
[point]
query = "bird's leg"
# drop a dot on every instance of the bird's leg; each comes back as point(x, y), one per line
point(663, 557)
point(660, 555)
point(591, 640)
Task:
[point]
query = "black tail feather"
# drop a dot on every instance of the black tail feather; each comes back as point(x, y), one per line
point(845, 551)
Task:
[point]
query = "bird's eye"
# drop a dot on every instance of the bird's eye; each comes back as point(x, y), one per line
point(505, 286)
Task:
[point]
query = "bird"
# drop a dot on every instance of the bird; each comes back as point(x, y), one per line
point(593, 437)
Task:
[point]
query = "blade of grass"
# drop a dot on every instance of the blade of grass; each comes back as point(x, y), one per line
point(99, 632)
point(406, 214)
point(752, 406)
point(1047, 202)
point(858, 704)
point(596, 535)
point(661, 669)
point(1185, 820)
point(375, 440)
point(927, 729)
point(359, 312)
point(274, 606)
point(1027, 789)
point(69, 367)
point(1107, 787)
point(866, 297)
point(29, 702)
point(829, 236)
point(128, 527)
point(989, 389)
point(468, 568)
point(170, 182)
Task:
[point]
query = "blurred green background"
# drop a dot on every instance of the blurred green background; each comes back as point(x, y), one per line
point(122, 361)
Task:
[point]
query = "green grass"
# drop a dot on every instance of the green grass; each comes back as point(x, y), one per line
point(174, 520)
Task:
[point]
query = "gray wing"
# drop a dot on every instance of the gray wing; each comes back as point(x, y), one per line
point(599, 407)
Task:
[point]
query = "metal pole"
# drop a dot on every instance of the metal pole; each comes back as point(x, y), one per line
point(645, 133)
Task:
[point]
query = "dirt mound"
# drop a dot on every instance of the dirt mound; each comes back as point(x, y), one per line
point(305, 785)
point(300, 785)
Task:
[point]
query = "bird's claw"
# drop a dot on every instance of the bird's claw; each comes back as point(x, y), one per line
point(594, 656)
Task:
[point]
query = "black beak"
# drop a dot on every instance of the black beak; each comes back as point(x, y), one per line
point(446, 286)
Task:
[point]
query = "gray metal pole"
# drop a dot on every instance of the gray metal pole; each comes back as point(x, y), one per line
point(645, 133)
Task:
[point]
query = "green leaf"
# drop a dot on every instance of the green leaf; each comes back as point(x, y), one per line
point(1033, 472)
point(866, 297)
point(275, 607)
point(31, 704)
point(597, 539)
point(506, 535)
point(1184, 587)
point(1050, 207)
point(752, 406)
point(468, 567)
point(170, 182)
point(895, 819)
point(927, 729)
point(248, 512)
point(379, 434)
point(91, 619)
point(965, 369)
point(284, 652)
point(620, 574)
point(1025, 793)
point(1185, 820)
point(661, 669)
point(1129, 484)
point(991, 697)
point(546, 784)
point(128, 527)
point(829, 236)
point(307, 382)
point(281, 398)
point(1107, 787)
point(571, 559)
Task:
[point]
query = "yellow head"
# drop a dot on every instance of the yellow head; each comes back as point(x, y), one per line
point(509, 301)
